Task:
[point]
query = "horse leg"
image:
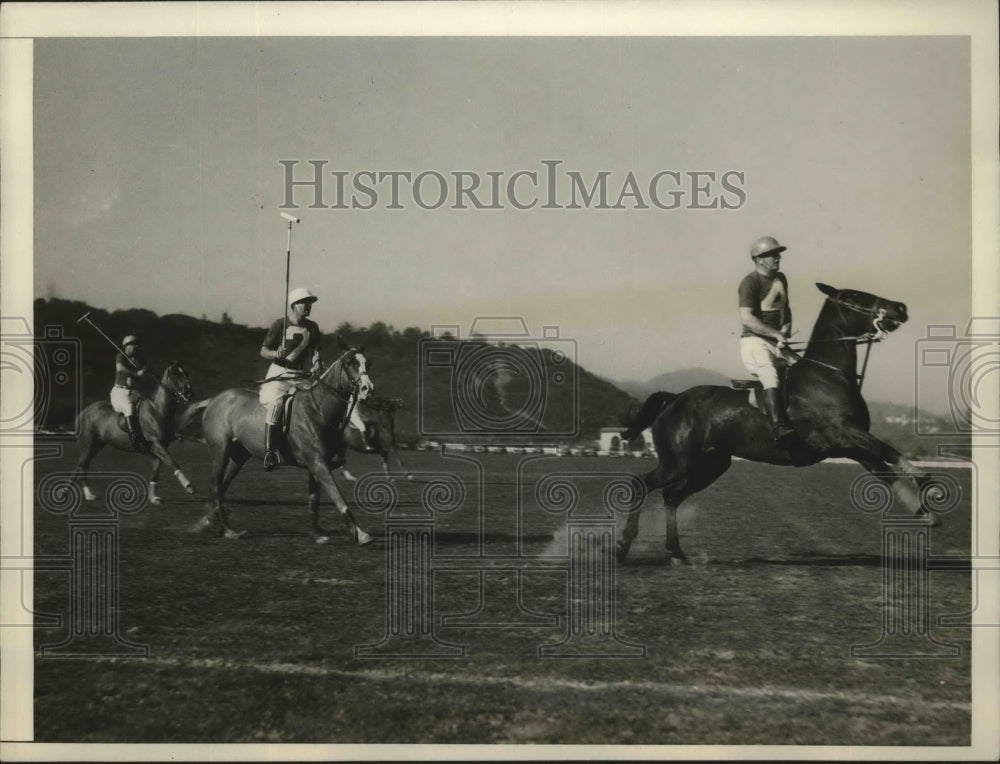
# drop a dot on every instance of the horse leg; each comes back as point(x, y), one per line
point(237, 458)
point(890, 466)
point(320, 533)
point(226, 465)
point(402, 467)
point(160, 452)
point(154, 477)
point(685, 478)
point(705, 470)
point(89, 447)
point(674, 551)
point(653, 479)
point(319, 471)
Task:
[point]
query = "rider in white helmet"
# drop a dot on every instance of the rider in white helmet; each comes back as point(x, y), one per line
point(767, 324)
point(291, 345)
point(129, 367)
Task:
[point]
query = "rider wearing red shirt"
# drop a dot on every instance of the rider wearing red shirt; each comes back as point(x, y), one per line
point(129, 367)
point(767, 323)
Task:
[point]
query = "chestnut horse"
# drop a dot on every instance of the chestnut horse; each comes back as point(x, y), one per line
point(233, 426)
point(99, 425)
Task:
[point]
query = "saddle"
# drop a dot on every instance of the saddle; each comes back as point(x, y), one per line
point(756, 390)
point(123, 423)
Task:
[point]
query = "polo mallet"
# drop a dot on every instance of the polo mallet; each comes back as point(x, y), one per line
point(288, 267)
point(86, 317)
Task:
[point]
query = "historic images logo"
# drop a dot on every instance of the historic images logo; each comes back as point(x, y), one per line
point(547, 187)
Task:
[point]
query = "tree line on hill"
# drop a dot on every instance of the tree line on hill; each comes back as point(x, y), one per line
point(533, 404)
point(530, 406)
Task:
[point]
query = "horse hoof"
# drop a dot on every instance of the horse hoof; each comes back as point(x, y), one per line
point(155, 500)
point(322, 539)
point(363, 538)
point(409, 477)
point(202, 525)
point(231, 534)
point(190, 490)
point(621, 552)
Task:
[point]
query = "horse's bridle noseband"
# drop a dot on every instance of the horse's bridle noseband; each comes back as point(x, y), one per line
point(877, 316)
point(179, 394)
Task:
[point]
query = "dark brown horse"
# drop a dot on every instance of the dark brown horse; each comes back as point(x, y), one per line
point(698, 432)
point(233, 425)
point(100, 425)
point(379, 415)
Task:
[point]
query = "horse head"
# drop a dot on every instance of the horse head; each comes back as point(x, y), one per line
point(862, 313)
point(175, 381)
point(350, 373)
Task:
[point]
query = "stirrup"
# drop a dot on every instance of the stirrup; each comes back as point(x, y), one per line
point(271, 461)
point(782, 433)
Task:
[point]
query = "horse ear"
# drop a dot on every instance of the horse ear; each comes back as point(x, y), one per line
point(340, 342)
point(361, 349)
point(826, 289)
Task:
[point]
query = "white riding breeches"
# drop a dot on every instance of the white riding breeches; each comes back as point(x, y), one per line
point(761, 358)
point(121, 400)
point(273, 393)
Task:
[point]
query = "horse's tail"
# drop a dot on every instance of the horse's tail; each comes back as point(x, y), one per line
point(189, 423)
point(647, 414)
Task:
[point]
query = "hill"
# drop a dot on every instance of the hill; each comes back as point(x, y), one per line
point(531, 394)
point(674, 382)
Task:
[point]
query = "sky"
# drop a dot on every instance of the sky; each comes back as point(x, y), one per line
point(158, 183)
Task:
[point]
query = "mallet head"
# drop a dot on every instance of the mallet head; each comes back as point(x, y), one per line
point(289, 218)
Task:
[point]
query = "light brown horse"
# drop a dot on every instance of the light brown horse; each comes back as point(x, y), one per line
point(99, 425)
point(233, 424)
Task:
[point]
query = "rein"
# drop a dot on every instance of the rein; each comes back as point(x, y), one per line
point(876, 335)
point(350, 396)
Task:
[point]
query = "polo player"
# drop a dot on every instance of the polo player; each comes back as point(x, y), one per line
point(292, 346)
point(767, 323)
point(129, 366)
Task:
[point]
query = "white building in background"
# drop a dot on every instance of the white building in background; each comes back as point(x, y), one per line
point(610, 440)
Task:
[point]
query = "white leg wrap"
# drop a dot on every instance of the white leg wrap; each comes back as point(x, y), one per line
point(182, 479)
point(905, 490)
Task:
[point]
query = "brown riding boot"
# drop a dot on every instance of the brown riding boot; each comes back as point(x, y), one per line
point(780, 426)
point(271, 461)
point(139, 443)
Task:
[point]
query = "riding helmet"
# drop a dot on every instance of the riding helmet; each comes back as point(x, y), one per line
point(765, 245)
point(300, 294)
point(130, 340)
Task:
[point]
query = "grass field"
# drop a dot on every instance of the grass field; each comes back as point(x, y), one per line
point(254, 640)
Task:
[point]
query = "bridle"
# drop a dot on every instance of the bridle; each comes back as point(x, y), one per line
point(876, 334)
point(351, 395)
point(877, 315)
point(179, 393)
